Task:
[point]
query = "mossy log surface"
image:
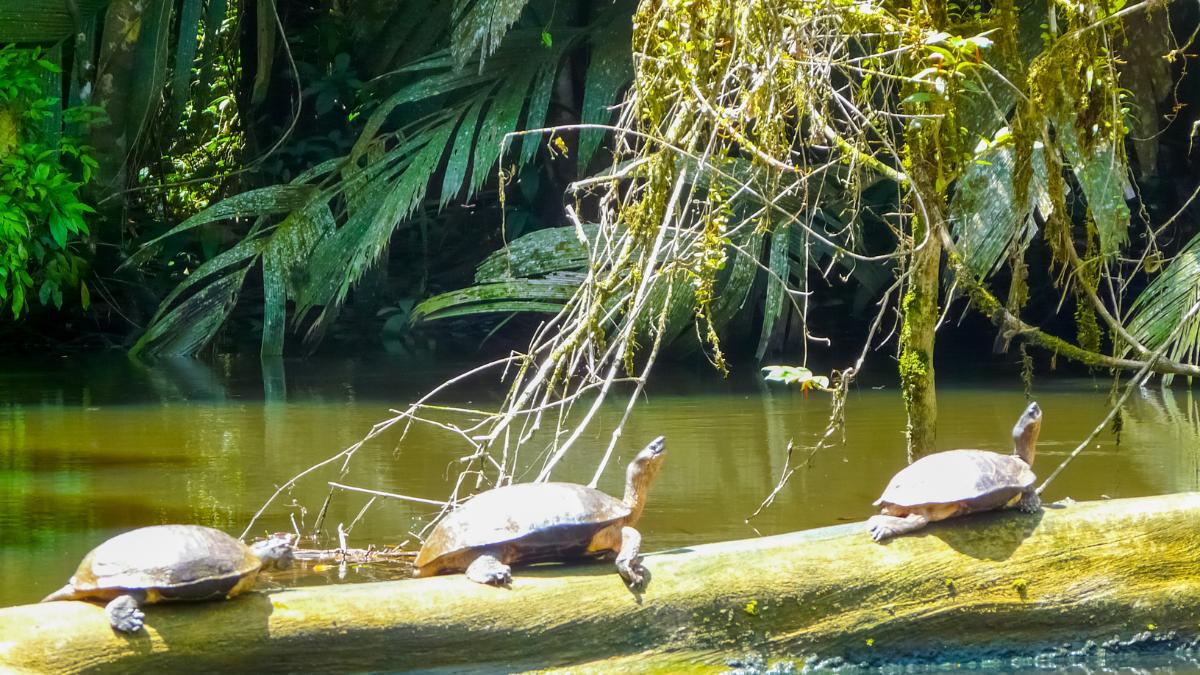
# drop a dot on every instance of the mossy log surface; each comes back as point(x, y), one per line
point(990, 582)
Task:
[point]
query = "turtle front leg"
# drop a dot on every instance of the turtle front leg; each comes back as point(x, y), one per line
point(124, 615)
point(629, 559)
point(487, 569)
point(1030, 502)
point(882, 527)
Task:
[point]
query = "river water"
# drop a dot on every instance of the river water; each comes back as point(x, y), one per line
point(91, 446)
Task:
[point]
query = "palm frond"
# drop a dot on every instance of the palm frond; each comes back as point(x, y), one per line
point(209, 293)
point(541, 295)
point(780, 268)
point(481, 24)
point(150, 68)
point(986, 220)
point(439, 119)
point(541, 252)
point(185, 54)
point(535, 269)
point(610, 68)
point(1158, 309)
point(1103, 175)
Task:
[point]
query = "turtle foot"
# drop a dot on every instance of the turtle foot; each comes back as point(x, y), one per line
point(1030, 503)
point(633, 572)
point(878, 527)
point(124, 615)
point(488, 570)
point(881, 527)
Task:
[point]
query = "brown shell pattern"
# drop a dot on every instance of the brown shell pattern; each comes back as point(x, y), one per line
point(164, 556)
point(509, 513)
point(957, 476)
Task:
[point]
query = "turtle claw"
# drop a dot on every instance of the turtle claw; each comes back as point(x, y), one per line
point(879, 529)
point(882, 527)
point(124, 615)
point(633, 572)
point(490, 571)
point(1030, 503)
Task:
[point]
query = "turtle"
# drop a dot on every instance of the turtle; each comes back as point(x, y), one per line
point(958, 482)
point(165, 563)
point(540, 522)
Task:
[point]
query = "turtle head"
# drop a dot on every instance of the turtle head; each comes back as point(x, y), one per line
point(275, 551)
point(1025, 433)
point(640, 475)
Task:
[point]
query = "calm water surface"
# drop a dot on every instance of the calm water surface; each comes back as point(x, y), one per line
point(93, 446)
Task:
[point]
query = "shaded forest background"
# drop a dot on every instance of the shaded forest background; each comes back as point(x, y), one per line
point(181, 176)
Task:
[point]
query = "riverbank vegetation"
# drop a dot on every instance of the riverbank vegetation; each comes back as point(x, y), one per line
point(829, 183)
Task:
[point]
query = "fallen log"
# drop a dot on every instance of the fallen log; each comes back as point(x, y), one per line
point(1088, 571)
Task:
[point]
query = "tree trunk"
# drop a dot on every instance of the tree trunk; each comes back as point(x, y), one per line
point(974, 587)
point(920, 316)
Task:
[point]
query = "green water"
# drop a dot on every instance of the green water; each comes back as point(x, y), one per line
point(90, 447)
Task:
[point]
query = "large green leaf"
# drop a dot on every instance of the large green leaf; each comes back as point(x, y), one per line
point(460, 153)
point(208, 295)
point(501, 119)
point(539, 101)
point(341, 258)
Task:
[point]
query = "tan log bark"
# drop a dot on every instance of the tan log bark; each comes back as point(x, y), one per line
point(1087, 571)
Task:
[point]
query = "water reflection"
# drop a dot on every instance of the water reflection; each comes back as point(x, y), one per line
point(89, 447)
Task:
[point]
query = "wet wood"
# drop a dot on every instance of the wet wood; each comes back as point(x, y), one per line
point(1087, 571)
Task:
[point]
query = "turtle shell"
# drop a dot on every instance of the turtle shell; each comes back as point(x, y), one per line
point(977, 477)
point(184, 562)
point(538, 520)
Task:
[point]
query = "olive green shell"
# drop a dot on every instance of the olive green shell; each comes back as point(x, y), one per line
point(551, 516)
point(980, 478)
point(183, 561)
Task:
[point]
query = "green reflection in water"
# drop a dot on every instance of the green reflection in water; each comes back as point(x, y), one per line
point(92, 447)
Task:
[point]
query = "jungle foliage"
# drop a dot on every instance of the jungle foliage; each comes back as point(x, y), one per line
point(42, 215)
point(278, 163)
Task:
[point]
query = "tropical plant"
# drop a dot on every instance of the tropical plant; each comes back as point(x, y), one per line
point(41, 173)
point(428, 122)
